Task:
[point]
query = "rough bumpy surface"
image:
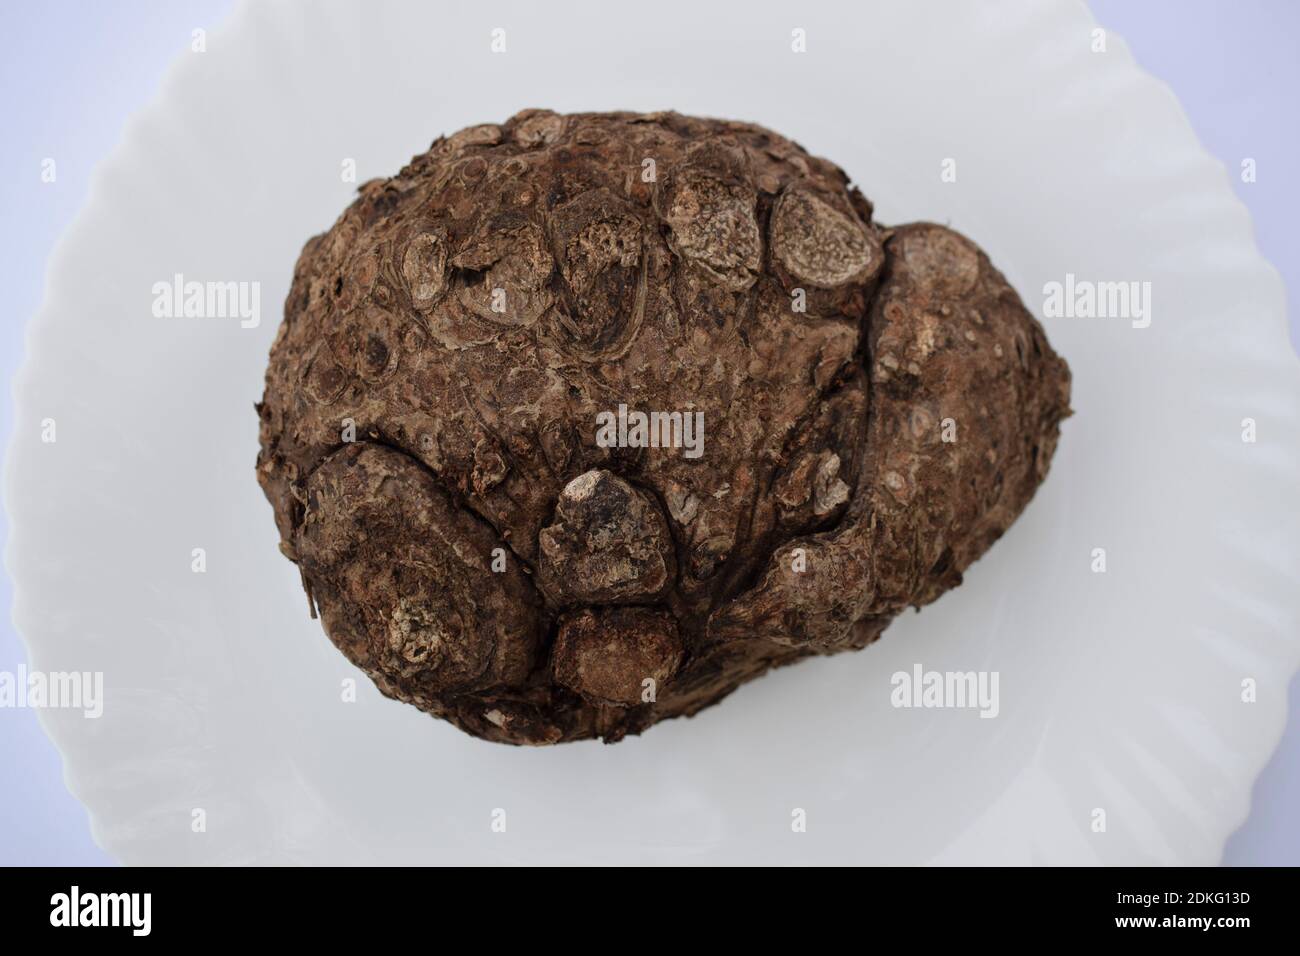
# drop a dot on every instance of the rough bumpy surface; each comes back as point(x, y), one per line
point(877, 408)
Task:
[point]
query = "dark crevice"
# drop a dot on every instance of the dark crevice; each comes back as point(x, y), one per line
point(377, 439)
point(745, 579)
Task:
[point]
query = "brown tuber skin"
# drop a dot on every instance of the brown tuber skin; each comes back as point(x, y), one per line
point(878, 407)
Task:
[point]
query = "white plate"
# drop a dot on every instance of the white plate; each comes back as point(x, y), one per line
point(1119, 691)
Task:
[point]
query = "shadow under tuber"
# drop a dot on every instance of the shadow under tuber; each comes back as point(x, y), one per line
point(578, 423)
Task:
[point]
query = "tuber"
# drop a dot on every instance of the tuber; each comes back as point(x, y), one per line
point(580, 422)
